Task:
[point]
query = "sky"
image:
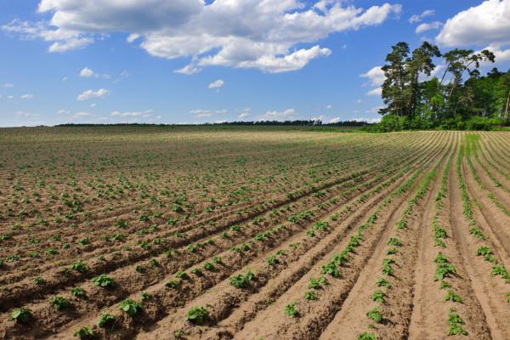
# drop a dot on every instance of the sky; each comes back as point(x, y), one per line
point(198, 61)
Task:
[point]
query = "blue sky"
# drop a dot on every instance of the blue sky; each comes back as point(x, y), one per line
point(190, 61)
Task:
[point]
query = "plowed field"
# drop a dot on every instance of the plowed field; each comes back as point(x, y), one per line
point(201, 233)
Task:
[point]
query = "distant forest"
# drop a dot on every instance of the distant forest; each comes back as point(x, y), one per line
point(454, 95)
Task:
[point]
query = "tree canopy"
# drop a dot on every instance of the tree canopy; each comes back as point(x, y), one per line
point(418, 94)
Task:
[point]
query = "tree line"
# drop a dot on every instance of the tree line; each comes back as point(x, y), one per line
point(454, 95)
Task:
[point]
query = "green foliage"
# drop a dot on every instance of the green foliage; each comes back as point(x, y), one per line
point(290, 310)
point(84, 333)
point(21, 315)
point(310, 295)
point(242, 281)
point(104, 281)
point(375, 314)
point(59, 302)
point(130, 307)
point(106, 320)
point(197, 315)
point(379, 296)
point(366, 336)
point(452, 296)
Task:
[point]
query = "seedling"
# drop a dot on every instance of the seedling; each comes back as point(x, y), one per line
point(310, 295)
point(383, 283)
point(375, 314)
point(59, 302)
point(84, 333)
point(378, 296)
point(331, 269)
point(106, 320)
point(79, 266)
point(21, 315)
point(197, 315)
point(173, 284)
point(242, 281)
point(196, 271)
point(104, 281)
point(452, 296)
point(366, 336)
point(394, 242)
point(208, 266)
point(78, 292)
point(290, 310)
point(130, 307)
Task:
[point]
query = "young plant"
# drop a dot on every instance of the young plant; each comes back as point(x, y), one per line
point(375, 314)
point(366, 336)
point(242, 281)
point(84, 333)
point(452, 296)
point(106, 320)
point(104, 281)
point(197, 315)
point(310, 295)
point(290, 310)
point(130, 307)
point(78, 292)
point(21, 315)
point(378, 296)
point(59, 302)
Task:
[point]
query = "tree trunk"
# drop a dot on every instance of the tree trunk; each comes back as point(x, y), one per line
point(507, 114)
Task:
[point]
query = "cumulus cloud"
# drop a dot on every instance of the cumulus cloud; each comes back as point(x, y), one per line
point(375, 76)
point(428, 26)
point(216, 84)
point(375, 92)
point(234, 33)
point(485, 24)
point(89, 94)
point(288, 114)
point(143, 114)
point(329, 107)
point(419, 17)
point(27, 96)
point(86, 72)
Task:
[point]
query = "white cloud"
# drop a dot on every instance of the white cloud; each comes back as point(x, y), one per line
point(143, 114)
point(10, 97)
point(243, 115)
point(329, 107)
point(93, 105)
point(80, 115)
point(428, 26)
point(418, 17)
point(374, 109)
point(288, 114)
point(375, 76)
point(89, 94)
point(335, 120)
point(485, 24)
point(6, 85)
point(375, 92)
point(216, 84)
point(27, 96)
point(234, 33)
point(65, 79)
point(368, 120)
point(501, 55)
point(188, 69)
point(207, 113)
point(23, 114)
point(63, 112)
point(87, 73)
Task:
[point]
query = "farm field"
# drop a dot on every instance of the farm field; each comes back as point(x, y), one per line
point(253, 233)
